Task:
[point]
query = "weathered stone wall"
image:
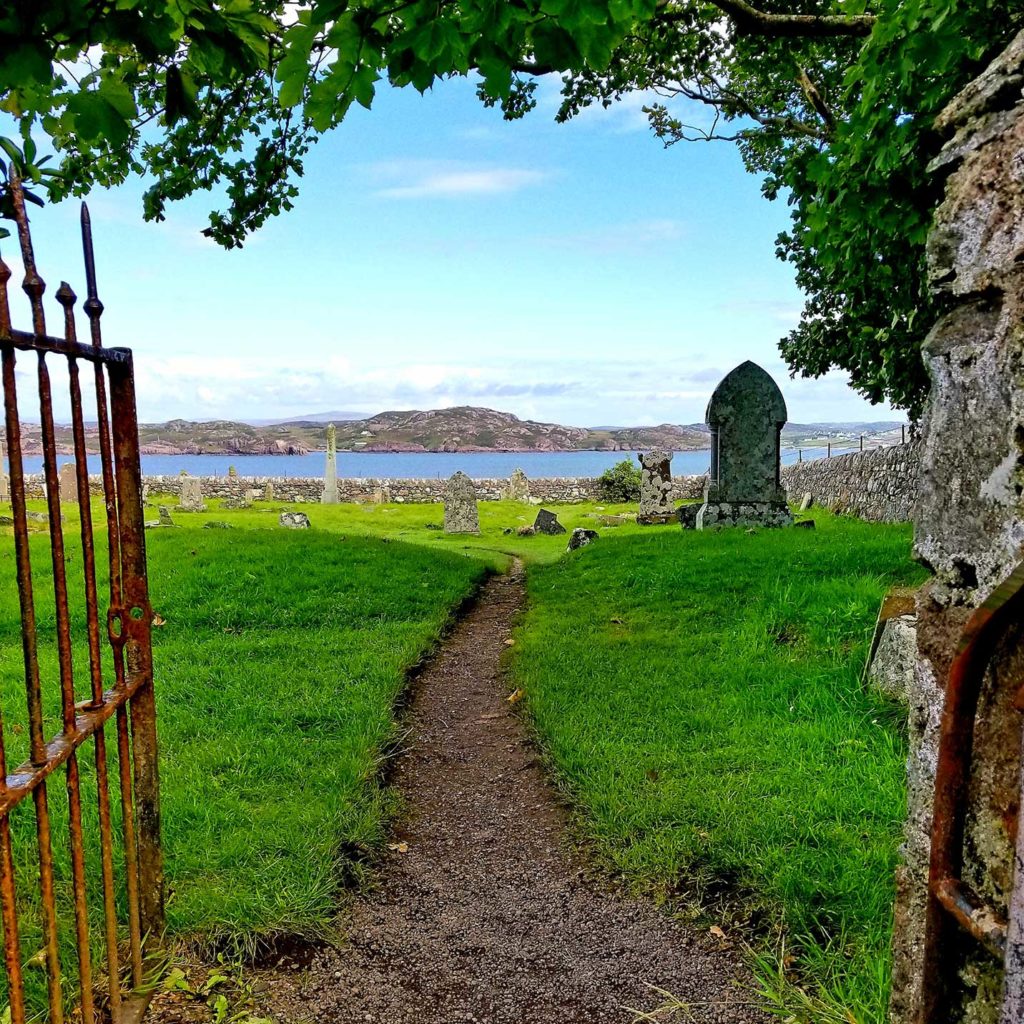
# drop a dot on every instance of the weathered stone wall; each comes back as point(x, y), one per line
point(554, 490)
point(970, 515)
point(879, 485)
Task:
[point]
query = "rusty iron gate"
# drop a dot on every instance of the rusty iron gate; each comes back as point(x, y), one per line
point(132, 877)
point(953, 906)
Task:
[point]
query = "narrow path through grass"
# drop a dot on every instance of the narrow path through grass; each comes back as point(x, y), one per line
point(277, 673)
point(698, 695)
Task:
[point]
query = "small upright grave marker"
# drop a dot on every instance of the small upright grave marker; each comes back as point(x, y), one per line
point(518, 488)
point(5, 483)
point(460, 512)
point(329, 496)
point(191, 495)
point(68, 483)
point(655, 487)
point(746, 415)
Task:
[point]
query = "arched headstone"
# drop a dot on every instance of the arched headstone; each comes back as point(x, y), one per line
point(746, 415)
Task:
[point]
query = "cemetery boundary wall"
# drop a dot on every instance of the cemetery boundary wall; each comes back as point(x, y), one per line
point(555, 490)
point(880, 485)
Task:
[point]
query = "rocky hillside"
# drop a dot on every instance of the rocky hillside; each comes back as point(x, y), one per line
point(471, 429)
point(460, 429)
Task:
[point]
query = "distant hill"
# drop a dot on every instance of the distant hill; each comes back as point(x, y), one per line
point(459, 429)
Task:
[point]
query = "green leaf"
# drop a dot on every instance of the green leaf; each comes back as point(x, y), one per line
point(293, 70)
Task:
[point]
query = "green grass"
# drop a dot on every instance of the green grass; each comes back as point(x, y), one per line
point(420, 524)
point(698, 697)
point(277, 673)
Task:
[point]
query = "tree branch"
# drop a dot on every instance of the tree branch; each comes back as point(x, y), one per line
point(750, 20)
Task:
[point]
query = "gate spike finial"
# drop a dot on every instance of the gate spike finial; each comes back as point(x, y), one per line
point(67, 298)
point(33, 285)
point(92, 305)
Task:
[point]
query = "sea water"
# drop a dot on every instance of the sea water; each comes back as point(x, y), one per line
point(403, 465)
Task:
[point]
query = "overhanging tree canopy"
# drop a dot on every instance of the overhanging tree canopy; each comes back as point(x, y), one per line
point(830, 102)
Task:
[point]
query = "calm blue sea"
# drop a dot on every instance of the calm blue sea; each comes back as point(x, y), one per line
point(403, 465)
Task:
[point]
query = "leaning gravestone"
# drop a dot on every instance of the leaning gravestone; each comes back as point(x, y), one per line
point(547, 522)
point(68, 483)
point(746, 415)
point(165, 515)
point(191, 495)
point(460, 512)
point(518, 488)
point(329, 495)
point(655, 487)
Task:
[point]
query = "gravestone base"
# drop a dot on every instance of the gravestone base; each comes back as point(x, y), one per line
point(657, 518)
point(714, 515)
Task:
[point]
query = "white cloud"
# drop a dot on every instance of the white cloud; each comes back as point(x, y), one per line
point(435, 179)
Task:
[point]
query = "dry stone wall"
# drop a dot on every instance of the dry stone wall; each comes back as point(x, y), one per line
point(551, 490)
point(880, 485)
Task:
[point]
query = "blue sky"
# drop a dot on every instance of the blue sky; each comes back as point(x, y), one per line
point(438, 255)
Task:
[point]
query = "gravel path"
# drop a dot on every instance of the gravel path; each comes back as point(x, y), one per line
point(481, 914)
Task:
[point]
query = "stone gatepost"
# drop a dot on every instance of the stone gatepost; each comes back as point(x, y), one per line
point(191, 499)
point(970, 517)
point(329, 496)
point(460, 512)
point(746, 415)
point(68, 484)
point(518, 488)
point(655, 487)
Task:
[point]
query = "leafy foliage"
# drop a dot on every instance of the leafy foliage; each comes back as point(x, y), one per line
point(620, 483)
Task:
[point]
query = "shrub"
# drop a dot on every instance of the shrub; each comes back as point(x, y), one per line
point(621, 483)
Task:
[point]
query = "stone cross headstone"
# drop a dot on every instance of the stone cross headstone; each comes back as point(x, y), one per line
point(5, 483)
point(746, 415)
point(68, 483)
point(518, 488)
point(329, 496)
point(191, 495)
point(460, 511)
point(655, 487)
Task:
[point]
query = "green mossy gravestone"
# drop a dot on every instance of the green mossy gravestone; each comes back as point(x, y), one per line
point(460, 511)
point(655, 487)
point(746, 415)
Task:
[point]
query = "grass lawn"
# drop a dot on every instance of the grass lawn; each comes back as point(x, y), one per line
point(698, 697)
point(277, 672)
